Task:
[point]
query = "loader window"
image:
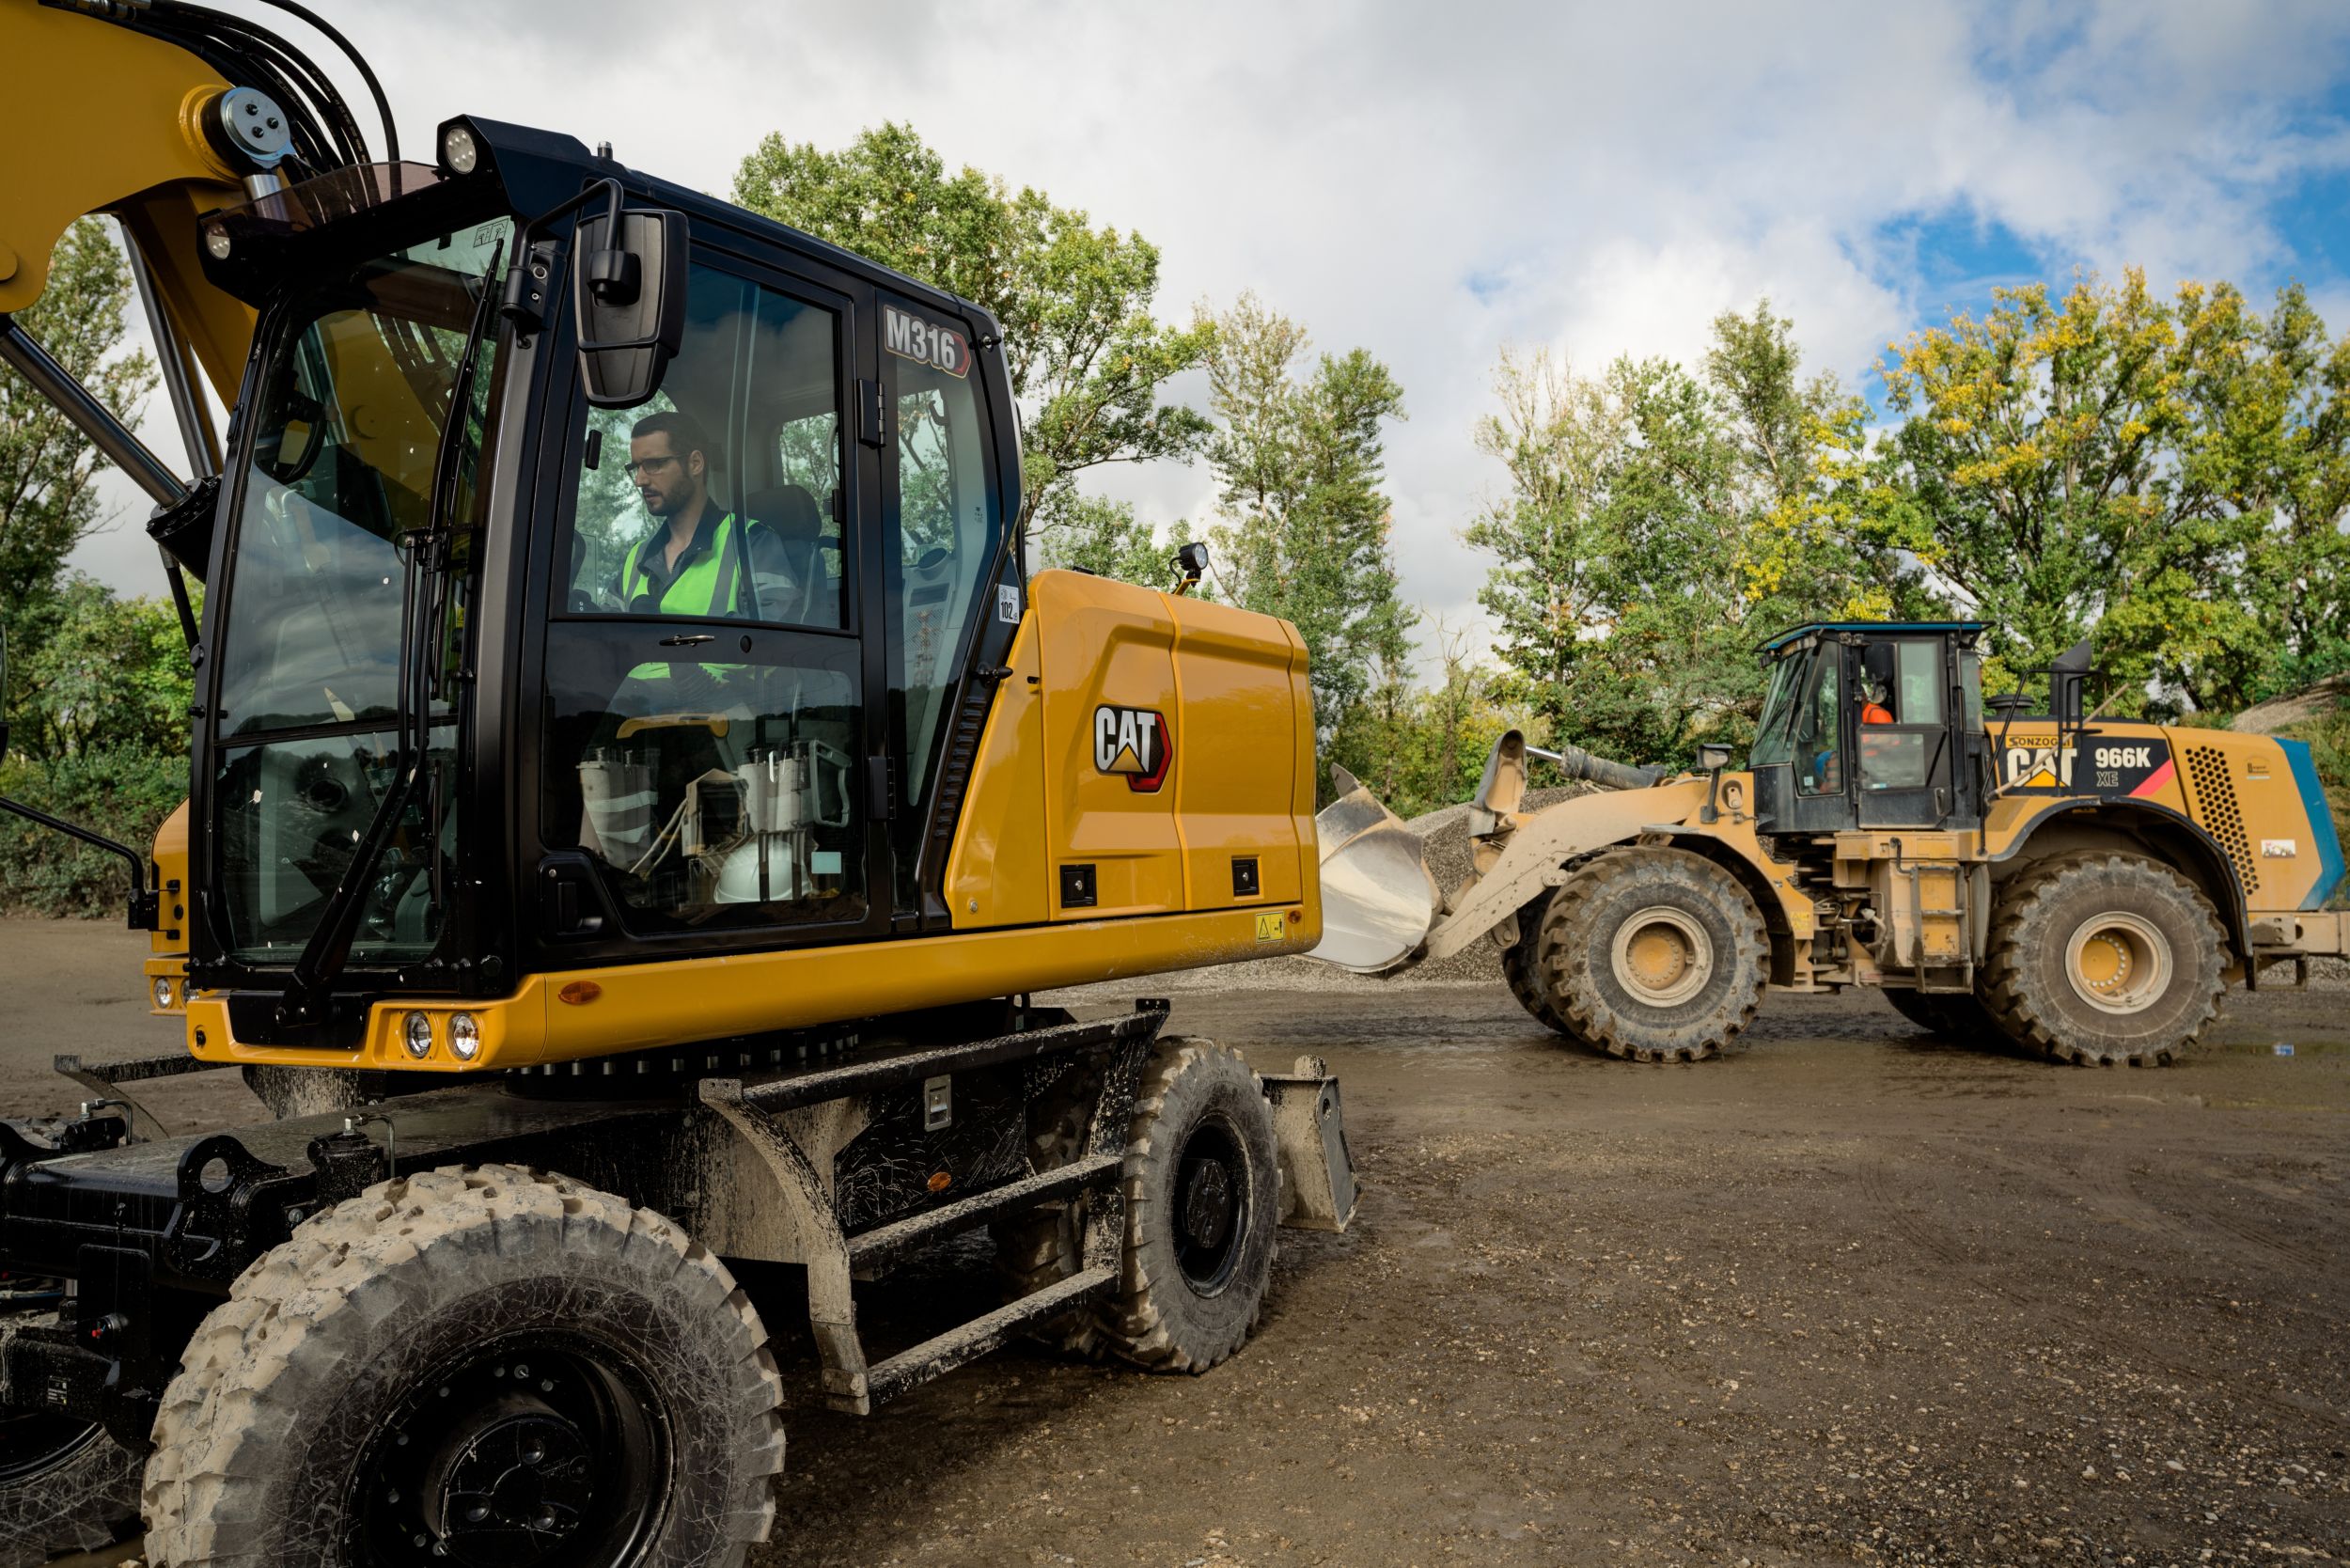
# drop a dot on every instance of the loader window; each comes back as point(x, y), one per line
point(1819, 728)
point(1899, 753)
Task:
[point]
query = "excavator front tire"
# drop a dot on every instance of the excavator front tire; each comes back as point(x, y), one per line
point(478, 1365)
point(1652, 953)
point(2102, 958)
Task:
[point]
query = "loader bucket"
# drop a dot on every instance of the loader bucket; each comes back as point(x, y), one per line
point(1377, 897)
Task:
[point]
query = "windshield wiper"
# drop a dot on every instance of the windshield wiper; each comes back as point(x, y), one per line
point(329, 948)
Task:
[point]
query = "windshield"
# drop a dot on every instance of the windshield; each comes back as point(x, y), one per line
point(346, 422)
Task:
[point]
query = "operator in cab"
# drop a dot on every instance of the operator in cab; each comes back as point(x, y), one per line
point(696, 566)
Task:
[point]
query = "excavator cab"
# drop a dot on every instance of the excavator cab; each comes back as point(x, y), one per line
point(1871, 725)
point(702, 706)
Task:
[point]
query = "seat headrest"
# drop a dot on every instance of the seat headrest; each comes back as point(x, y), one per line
point(789, 510)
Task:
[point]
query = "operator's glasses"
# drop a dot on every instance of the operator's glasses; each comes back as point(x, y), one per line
point(632, 469)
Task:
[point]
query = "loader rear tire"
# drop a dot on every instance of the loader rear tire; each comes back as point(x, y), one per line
point(1203, 1187)
point(2101, 959)
point(1961, 1019)
point(1654, 954)
point(475, 1365)
point(64, 1486)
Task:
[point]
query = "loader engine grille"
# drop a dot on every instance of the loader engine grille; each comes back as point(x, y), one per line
point(2214, 802)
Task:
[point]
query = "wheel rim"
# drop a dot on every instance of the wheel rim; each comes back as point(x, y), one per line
point(34, 1442)
point(1211, 1205)
point(1662, 956)
point(2118, 963)
point(529, 1450)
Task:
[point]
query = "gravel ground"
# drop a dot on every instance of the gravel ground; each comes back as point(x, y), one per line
point(1850, 1295)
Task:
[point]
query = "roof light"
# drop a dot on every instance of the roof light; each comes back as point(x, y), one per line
point(459, 152)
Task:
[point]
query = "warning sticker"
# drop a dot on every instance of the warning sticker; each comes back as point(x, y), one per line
point(909, 337)
point(1269, 925)
point(1007, 603)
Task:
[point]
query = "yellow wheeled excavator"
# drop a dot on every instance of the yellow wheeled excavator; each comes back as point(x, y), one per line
point(2079, 886)
point(636, 787)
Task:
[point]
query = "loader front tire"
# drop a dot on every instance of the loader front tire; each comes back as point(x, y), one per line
point(1654, 954)
point(1522, 972)
point(478, 1365)
point(1202, 1188)
point(64, 1486)
point(2101, 959)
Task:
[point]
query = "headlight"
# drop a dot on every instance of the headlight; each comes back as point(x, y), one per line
point(464, 1037)
point(459, 152)
point(163, 992)
point(416, 1033)
point(216, 241)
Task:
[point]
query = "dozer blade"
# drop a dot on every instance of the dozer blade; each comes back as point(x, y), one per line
point(1377, 897)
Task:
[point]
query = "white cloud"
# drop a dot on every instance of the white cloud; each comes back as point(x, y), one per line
point(1432, 182)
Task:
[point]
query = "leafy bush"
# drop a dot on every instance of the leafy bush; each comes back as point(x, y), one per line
point(123, 792)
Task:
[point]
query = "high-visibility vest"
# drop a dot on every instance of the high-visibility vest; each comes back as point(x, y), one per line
point(708, 586)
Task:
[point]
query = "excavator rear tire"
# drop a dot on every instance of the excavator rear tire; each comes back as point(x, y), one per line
point(2100, 958)
point(1203, 1191)
point(396, 1366)
point(1043, 1246)
point(1958, 1017)
point(1654, 954)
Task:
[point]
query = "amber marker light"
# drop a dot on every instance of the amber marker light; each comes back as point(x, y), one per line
point(580, 993)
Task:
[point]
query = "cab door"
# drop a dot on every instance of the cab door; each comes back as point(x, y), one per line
point(1904, 731)
point(705, 741)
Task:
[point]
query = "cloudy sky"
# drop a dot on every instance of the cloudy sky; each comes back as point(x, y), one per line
point(1432, 182)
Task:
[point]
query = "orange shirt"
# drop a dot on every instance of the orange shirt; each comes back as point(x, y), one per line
point(1873, 712)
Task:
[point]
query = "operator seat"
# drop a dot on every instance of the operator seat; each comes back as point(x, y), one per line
point(798, 524)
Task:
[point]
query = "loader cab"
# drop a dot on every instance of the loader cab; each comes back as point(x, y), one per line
point(1870, 725)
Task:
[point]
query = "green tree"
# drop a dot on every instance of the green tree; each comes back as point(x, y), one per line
point(1087, 359)
point(1106, 539)
point(2168, 473)
point(48, 495)
point(1300, 462)
point(112, 674)
point(1659, 521)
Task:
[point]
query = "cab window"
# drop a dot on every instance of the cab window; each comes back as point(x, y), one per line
point(949, 520)
point(1819, 730)
point(705, 709)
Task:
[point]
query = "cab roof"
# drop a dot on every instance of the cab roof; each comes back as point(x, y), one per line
point(1969, 628)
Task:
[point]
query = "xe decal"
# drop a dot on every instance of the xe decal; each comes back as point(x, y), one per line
point(1134, 742)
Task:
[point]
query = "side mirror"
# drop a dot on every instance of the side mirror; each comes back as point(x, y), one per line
point(628, 299)
point(1713, 757)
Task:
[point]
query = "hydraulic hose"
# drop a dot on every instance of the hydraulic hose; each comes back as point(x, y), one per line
point(1575, 762)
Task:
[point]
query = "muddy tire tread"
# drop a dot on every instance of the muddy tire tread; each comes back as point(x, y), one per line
point(1564, 935)
point(1133, 1325)
point(2021, 925)
point(219, 1413)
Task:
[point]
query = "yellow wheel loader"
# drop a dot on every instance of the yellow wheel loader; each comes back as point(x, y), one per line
point(2083, 887)
point(636, 784)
